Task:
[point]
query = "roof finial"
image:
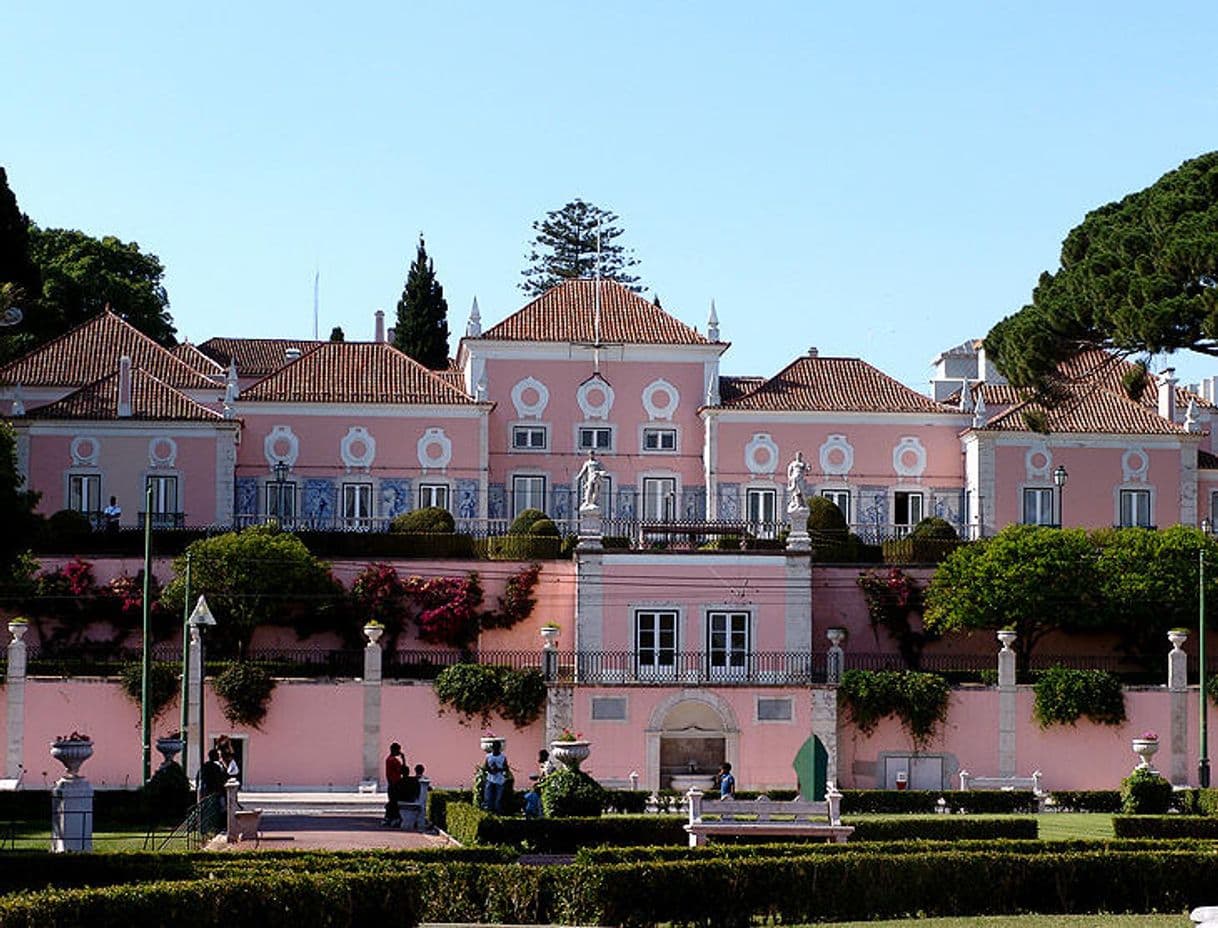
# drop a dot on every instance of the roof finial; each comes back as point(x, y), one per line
point(712, 324)
point(18, 401)
point(966, 396)
point(473, 328)
point(979, 411)
point(1191, 423)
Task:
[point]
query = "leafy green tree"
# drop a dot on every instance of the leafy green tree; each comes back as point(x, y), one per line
point(16, 508)
point(1136, 276)
point(20, 282)
point(422, 326)
point(81, 275)
point(1029, 578)
point(259, 576)
point(566, 244)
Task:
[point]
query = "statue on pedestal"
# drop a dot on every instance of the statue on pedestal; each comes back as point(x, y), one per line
point(796, 484)
point(591, 476)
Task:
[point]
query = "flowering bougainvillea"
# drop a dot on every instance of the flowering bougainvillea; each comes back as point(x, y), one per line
point(517, 602)
point(449, 608)
point(892, 599)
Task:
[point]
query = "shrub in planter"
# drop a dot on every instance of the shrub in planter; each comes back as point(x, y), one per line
point(1145, 793)
point(568, 792)
point(430, 520)
point(245, 691)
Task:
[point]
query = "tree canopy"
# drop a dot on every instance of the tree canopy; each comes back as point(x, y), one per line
point(565, 247)
point(16, 505)
point(422, 323)
point(1137, 276)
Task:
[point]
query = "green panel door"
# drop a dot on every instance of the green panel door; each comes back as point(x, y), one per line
point(812, 769)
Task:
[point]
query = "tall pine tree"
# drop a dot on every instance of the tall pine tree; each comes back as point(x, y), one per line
point(20, 281)
point(422, 326)
point(565, 247)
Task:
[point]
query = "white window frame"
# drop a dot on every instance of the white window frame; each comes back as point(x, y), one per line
point(761, 524)
point(276, 493)
point(360, 515)
point(532, 429)
point(161, 506)
point(665, 659)
point(1026, 494)
point(835, 495)
point(598, 428)
point(516, 509)
point(903, 528)
point(429, 491)
point(674, 496)
point(729, 649)
point(86, 479)
point(1135, 493)
point(658, 430)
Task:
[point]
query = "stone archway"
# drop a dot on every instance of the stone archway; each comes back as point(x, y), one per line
point(690, 726)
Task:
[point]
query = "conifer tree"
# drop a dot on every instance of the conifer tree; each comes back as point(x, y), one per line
point(16, 265)
point(565, 248)
point(422, 325)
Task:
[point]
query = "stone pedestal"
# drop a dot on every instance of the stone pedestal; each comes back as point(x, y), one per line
point(372, 705)
point(835, 657)
point(591, 528)
point(798, 540)
point(72, 798)
point(1177, 687)
point(14, 689)
point(1006, 705)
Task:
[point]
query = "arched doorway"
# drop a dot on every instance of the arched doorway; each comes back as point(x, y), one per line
point(690, 734)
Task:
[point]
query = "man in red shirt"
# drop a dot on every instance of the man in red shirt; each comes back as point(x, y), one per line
point(395, 766)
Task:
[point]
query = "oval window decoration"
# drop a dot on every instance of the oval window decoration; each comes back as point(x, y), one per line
point(909, 457)
point(595, 398)
point(85, 451)
point(435, 449)
point(1134, 464)
point(836, 456)
point(162, 452)
point(1038, 460)
point(281, 444)
point(530, 397)
point(761, 454)
point(358, 448)
point(660, 399)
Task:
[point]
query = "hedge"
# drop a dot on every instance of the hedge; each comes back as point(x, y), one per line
point(919, 550)
point(472, 826)
point(523, 547)
point(859, 885)
point(1165, 826)
point(942, 828)
point(979, 802)
point(1087, 800)
point(111, 806)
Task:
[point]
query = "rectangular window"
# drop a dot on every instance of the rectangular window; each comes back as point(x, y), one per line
point(906, 511)
point(840, 499)
point(659, 499)
point(84, 493)
point(608, 708)
point(528, 493)
point(727, 644)
point(762, 507)
point(1135, 508)
point(164, 511)
point(529, 438)
point(595, 439)
point(433, 494)
point(659, 439)
point(655, 644)
point(774, 710)
point(357, 505)
point(281, 500)
point(1038, 506)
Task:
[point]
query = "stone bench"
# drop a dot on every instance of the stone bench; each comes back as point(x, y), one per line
point(968, 781)
point(794, 819)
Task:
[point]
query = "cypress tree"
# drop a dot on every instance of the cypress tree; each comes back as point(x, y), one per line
point(422, 325)
point(16, 265)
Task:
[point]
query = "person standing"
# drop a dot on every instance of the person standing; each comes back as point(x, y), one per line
point(112, 514)
point(496, 767)
point(395, 769)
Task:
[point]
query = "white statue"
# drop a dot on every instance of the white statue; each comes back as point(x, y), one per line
point(591, 475)
point(796, 484)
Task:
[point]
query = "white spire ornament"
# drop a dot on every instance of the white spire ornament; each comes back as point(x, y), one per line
point(473, 328)
point(712, 324)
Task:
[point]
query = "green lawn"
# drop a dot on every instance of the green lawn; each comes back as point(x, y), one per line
point(1029, 921)
point(28, 836)
point(1053, 826)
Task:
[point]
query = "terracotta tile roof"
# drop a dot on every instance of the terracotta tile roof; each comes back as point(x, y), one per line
point(91, 351)
point(198, 360)
point(565, 314)
point(150, 399)
point(255, 357)
point(354, 372)
point(834, 385)
point(1088, 410)
point(731, 388)
point(996, 395)
point(453, 378)
point(1206, 461)
point(1094, 365)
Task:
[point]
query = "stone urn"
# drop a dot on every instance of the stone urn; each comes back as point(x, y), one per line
point(549, 636)
point(488, 741)
point(169, 747)
point(373, 632)
point(1177, 637)
point(1145, 748)
point(1006, 638)
point(570, 753)
point(71, 752)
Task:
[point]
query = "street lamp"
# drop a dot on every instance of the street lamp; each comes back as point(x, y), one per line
point(1203, 762)
point(1059, 478)
point(280, 469)
point(200, 619)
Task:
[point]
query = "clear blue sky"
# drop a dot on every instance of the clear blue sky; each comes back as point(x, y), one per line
point(880, 180)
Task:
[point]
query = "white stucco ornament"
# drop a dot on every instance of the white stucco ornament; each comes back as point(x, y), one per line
point(1038, 461)
point(530, 397)
point(836, 456)
point(435, 449)
point(595, 397)
point(357, 448)
point(1134, 464)
point(909, 457)
point(660, 399)
point(162, 452)
point(281, 444)
point(761, 454)
point(84, 451)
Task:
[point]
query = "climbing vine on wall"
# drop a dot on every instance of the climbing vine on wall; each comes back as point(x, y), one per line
point(893, 599)
point(919, 700)
point(476, 691)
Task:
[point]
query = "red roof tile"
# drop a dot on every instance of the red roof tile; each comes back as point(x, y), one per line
point(354, 372)
point(197, 359)
point(1088, 410)
point(565, 314)
point(91, 351)
point(255, 357)
point(731, 388)
point(150, 399)
point(834, 385)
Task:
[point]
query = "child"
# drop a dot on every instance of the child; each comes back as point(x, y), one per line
point(727, 782)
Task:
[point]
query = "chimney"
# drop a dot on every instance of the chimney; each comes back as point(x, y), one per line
point(380, 327)
point(1167, 394)
point(290, 355)
point(813, 352)
point(124, 387)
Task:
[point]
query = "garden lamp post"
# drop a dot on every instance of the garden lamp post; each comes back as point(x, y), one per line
point(1059, 479)
point(1203, 758)
point(146, 651)
point(199, 620)
point(280, 469)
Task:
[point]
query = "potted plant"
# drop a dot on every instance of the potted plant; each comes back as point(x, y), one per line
point(18, 627)
point(170, 746)
point(1146, 746)
point(549, 634)
point(570, 749)
point(72, 751)
point(373, 631)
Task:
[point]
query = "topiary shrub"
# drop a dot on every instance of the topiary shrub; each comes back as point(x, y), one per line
point(824, 516)
point(566, 793)
point(1144, 792)
point(523, 523)
point(167, 796)
point(430, 520)
point(932, 528)
point(67, 524)
point(245, 691)
point(545, 528)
